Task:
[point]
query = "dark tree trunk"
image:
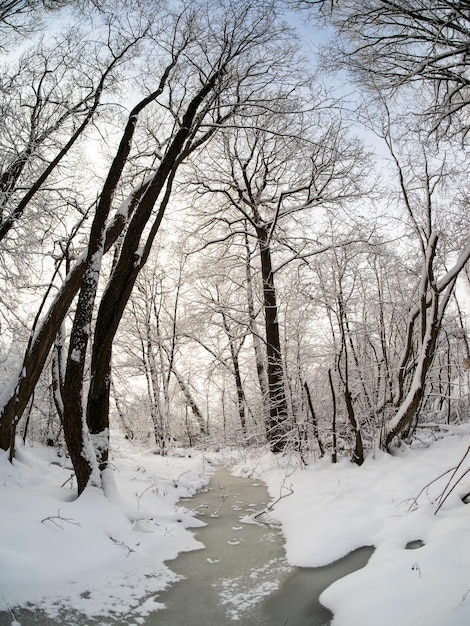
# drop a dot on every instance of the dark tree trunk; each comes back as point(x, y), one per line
point(257, 345)
point(79, 339)
point(316, 434)
point(334, 452)
point(128, 266)
point(358, 453)
point(40, 345)
point(240, 393)
point(236, 371)
point(278, 412)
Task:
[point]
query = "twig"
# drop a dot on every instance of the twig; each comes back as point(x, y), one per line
point(415, 500)
point(443, 495)
point(69, 479)
point(122, 544)
point(215, 512)
point(450, 491)
point(415, 567)
point(52, 519)
point(451, 478)
point(139, 496)
point(281, 497)
point(177, 480)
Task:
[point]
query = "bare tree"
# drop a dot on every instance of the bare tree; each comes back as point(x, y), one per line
point(210, 70)
point(266, 177)
point(414, 54)
point(155, 316)
point(392, 43)
point(19, 17)
point(48, 100)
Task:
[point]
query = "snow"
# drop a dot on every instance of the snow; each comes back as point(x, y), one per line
point(103, 555)
point(329, 510)
point(96, 554)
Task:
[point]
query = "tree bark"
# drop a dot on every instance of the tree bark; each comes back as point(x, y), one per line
point(237, 374)
point(122, 280)
point(14, 402)
point(257, 345)
point(191, 402)
point(358, 453)
point(316, 434)
point(278, 411)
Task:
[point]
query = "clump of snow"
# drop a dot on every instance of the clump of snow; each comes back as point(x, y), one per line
point(327, 510)
point(96, 554)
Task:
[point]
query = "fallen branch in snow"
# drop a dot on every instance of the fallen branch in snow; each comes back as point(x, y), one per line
point(122, 544)
point(177, 480)
point(52, 519)
point(281, 496)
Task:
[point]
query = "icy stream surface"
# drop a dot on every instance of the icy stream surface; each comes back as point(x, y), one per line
point(241, 577)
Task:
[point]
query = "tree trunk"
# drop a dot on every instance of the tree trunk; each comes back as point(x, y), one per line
point(129, 264)
point(236, 371)
point(15, 402)
point(358, 453)
point(412, 401)
point(278, 412)
point(334, 452)
point(191, 402)
point(257, 344)
point(433, 303)
point(316, 434)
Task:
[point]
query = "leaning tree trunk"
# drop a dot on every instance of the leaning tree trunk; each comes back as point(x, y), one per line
point(14, 404)
point(130, 262)
point(80, 334)
point(190, 401)
point(434, 298)
point(409, 408)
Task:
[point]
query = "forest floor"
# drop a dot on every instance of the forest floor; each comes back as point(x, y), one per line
point(103, 555)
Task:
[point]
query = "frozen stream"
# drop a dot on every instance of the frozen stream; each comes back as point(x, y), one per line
point(242, 577)
point(239, 578)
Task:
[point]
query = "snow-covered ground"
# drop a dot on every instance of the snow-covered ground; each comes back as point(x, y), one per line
point(96, 554)
point(329, 510)
point(103, 555)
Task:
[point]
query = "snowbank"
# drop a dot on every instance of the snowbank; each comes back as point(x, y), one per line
point(329, 510)
point(99, 555)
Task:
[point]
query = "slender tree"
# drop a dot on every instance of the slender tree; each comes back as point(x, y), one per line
point(266, 177)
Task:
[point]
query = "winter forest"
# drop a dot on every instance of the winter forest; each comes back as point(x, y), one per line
point(233, 224)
